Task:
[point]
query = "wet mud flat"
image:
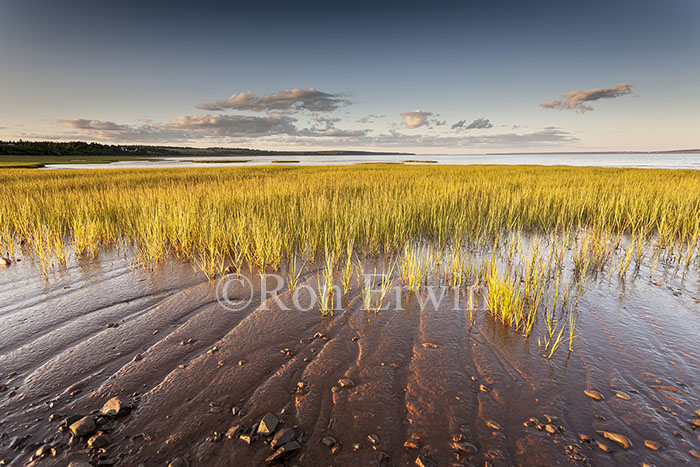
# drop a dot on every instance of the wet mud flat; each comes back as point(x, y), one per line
point(199, 383)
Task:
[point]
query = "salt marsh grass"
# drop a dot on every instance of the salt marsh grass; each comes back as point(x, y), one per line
point(464, 224)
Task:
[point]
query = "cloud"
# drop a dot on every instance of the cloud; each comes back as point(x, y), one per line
point(478, 124)
point(236, 125)
point(543, 138)
point(416, 118)
point(293, 100)
point(369, 118)
point(207, 126)
point(575, 100)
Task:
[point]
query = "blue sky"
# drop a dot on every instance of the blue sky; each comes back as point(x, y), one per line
point(358, 75)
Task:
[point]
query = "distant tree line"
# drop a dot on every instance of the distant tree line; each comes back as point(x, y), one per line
point(81, 148)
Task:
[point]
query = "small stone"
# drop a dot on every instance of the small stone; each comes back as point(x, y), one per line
point(329, 441)
point(622, 395)
point(220, 363)
point(5, 262)
point(604, 447)
point(695, 423)
point(241, 362)
point(113, 407)
point(653, 445)
point(620, 440)
point(335, 448)
point(493, 425)
point(411, 444)
point(374, 439)
point(234, 431)
point(424, 461)
point(551, 429)
point(429, 345)
point(268, 425)
point(463, 446)
point(178, 462)
point(584, 438)
point(346, 383)
point(43, 451)
point(595, 395)
point(483, 388)
point(284, 451)
point(282, 437)
point(215, 409)
point(98, 441)
point(213, 350)
point(138, 357)
point(83, 427)
point(694, 454)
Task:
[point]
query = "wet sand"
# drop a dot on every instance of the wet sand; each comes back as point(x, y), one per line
point(423, 374)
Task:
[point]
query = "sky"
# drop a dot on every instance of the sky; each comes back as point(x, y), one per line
point(429, 77)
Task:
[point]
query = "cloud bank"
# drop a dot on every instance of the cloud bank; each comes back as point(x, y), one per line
point(294, 100)
point(576, 100)
point(478, 124)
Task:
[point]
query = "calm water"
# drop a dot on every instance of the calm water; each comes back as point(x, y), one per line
point(660, 161)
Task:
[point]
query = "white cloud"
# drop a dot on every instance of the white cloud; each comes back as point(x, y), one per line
point(416, 119)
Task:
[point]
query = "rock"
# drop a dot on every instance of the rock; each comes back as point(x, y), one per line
point(98, 441)
point(329, 441)
point(653, 445)
point(268, 425)
point(113, 407)
point(5, 262)
point(83, 427)
point(43, 451)
point(551, 429)
point(620, 440)
point(247, 438)
point(622, 395)
point(411, 444)
point(483, 388)
point(335, 448)
point(425, 461)
point(374, 439)
point(604, 447)
point(695, 423)
point(355, 446)
point(234, 432)
point(178, 462)
point(595, 395)
point(68, 421)
point(463, 446)
point(429, 345)
point(282, 437)
point(493, 425)
point(284, 451)
point(346, 383)
point(584, 438)
point(694, 454)
point(236, 411)
point(697, 412)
